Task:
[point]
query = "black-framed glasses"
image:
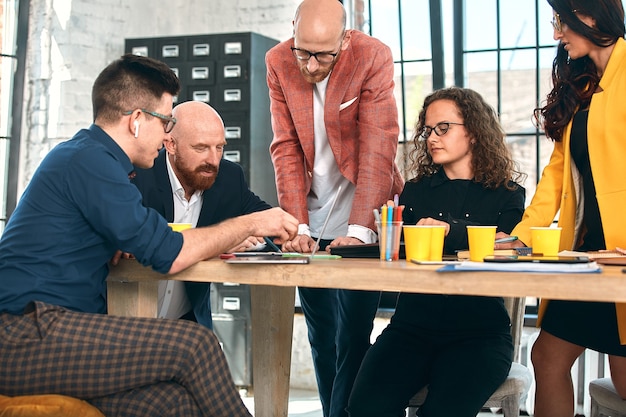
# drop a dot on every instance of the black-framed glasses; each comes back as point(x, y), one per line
point(322, 57)
point(440, 129)
point(556, 22)
point(168, 121)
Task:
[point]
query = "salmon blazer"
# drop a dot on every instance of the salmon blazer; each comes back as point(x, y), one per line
point(361, 123)
point(560, 188)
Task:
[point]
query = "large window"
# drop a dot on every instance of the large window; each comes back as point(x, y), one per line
point(10, 104)
point(501, 48)
point(506, 51)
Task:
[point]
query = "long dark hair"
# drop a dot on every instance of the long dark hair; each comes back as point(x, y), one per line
point(575, 80)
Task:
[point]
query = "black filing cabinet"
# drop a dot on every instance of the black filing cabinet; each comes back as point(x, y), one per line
point(227, 71)
point(232, 323)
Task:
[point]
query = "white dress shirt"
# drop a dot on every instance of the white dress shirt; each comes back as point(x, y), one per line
point(173, 301)
point(326, 179)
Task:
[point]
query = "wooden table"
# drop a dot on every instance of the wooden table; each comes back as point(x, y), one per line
point(132, 291)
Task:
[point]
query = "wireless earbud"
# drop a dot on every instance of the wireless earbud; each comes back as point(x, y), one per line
point(136, 128)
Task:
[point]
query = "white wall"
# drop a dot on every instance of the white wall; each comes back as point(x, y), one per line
point(71, 41)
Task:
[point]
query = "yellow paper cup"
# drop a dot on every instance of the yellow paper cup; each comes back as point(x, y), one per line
point(179, 227)
point(389, 240)
point(417, 242)
point(481, 241)
point(545, 240)
point(437, 236)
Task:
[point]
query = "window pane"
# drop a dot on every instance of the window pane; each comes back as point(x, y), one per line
point(384, 25)
point(519, 93)
point(480, 24)
point(8, 28)
point(482, 75)
point(418, 83)
point(517, 23)
point(4, 164)
point(546, 32)
point(416, 30)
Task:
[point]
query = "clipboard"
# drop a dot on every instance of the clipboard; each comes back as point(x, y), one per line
point(369, 250)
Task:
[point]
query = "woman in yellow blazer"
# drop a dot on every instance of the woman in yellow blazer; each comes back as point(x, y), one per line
point(585, 182)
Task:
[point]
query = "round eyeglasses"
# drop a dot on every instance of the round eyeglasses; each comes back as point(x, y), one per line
point(440, 129)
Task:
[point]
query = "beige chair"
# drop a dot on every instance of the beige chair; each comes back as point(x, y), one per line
point(604, 399)
point(508, 395)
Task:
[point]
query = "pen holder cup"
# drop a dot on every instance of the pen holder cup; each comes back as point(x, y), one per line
point(389, 240)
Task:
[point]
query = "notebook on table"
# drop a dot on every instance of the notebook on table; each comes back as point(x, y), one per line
point(280, 257)
point(368, 250)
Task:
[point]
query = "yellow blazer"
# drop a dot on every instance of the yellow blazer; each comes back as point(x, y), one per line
point(559, 188)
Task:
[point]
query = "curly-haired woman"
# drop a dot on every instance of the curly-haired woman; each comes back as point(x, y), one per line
point(464, 175)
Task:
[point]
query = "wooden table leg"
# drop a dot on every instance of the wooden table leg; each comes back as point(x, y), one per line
point(272, 332)
point(132, 299)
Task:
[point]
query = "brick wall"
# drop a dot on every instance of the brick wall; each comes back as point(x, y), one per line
point(71, 41)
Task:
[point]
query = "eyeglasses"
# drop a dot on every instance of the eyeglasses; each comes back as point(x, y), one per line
point(440, 129)
point(556, 22)
point(168, 121)
point(322, 57)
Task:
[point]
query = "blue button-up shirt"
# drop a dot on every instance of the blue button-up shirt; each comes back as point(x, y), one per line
point(78, 209)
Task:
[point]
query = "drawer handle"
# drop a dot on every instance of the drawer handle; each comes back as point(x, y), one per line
point(232, 132)
point(170, 51)
point(201, 49)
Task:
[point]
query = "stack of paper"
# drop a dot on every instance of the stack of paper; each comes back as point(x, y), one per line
point(604, 257)
point(587, 267)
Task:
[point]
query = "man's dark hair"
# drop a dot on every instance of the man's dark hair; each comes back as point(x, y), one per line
point(129, 83)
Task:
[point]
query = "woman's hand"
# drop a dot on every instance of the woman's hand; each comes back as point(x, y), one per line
point(508, 245)
point(429, 221)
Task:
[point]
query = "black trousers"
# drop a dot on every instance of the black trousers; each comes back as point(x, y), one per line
point(461, 371)
point(339, 324)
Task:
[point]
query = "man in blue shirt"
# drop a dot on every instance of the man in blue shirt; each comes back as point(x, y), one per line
point(77, 211)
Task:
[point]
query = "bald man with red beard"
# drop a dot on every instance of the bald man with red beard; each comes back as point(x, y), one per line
point(191, 182)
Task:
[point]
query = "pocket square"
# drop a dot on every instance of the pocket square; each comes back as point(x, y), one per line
point(346, 104)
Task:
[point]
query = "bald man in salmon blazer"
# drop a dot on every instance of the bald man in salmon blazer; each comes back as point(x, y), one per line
point(335, 124)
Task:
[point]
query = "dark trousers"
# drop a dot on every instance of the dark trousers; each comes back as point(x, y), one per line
point(199, 294)
point(461, 371)
point(339, 325)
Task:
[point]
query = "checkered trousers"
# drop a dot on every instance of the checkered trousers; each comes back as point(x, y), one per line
point(124, 366)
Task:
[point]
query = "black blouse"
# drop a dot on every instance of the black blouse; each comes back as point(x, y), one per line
point(459, 203)
point(592, 237)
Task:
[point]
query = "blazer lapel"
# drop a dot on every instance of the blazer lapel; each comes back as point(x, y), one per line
point(164, 186)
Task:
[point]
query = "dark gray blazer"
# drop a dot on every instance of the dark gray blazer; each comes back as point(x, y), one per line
point(229, 197)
